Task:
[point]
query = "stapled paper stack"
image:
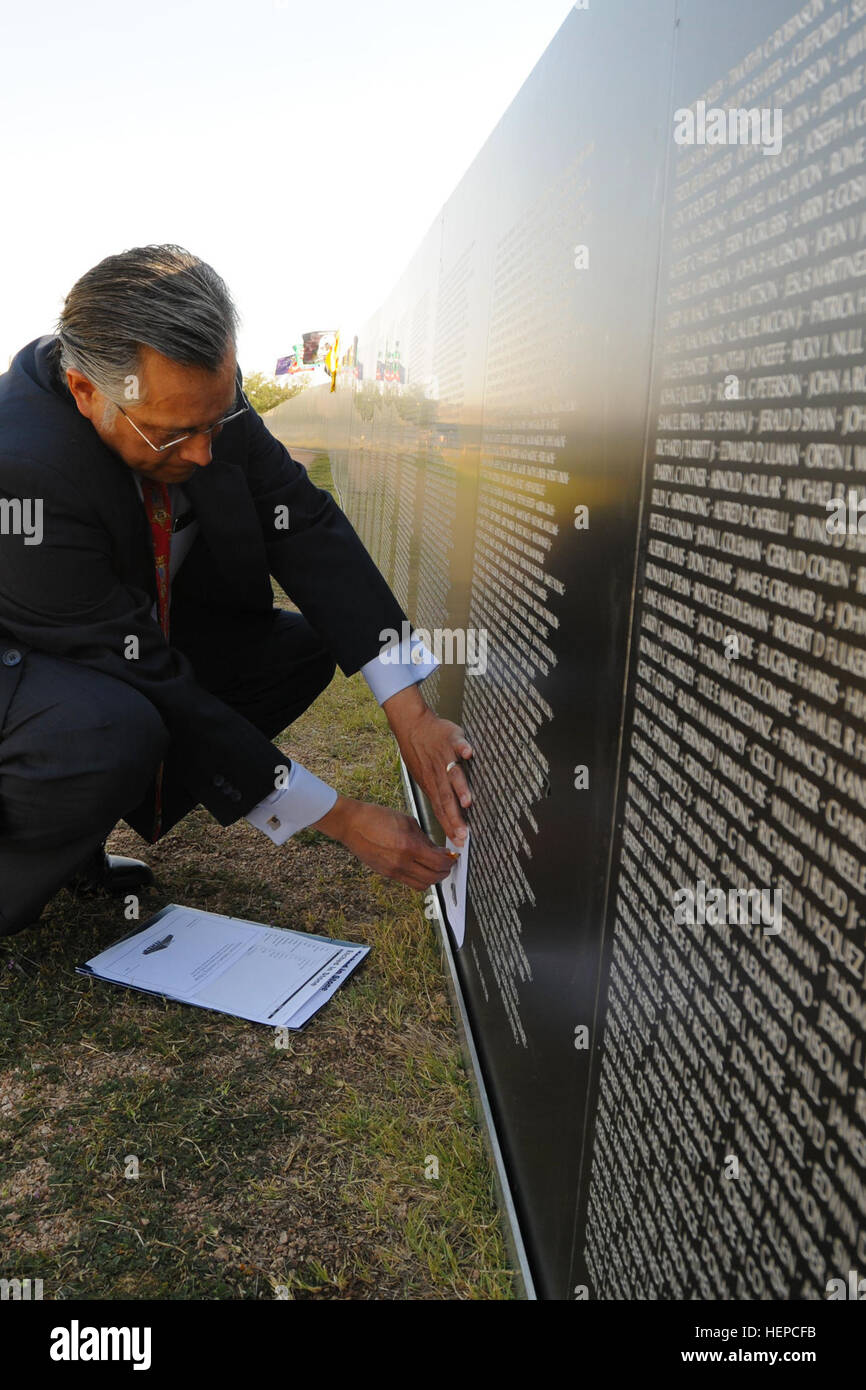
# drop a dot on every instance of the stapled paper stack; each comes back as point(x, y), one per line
point(265, 974)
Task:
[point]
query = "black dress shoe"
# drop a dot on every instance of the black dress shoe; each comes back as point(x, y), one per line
point(110, 873)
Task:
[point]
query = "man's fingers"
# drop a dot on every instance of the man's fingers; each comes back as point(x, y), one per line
point(457, 777)
point(448, 810)
point(431, 858)
point(411, 881)
point(418, 875)
point(460, 742)
point(409, 869)
point(428, 859)
point(439, 872)
point(421, 882)
point(460, 786)
point(395, 846)
point(459, 749)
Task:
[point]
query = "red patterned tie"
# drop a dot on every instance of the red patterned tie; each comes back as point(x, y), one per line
point(157, 504)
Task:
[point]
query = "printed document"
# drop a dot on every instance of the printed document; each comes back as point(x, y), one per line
point(265, 974)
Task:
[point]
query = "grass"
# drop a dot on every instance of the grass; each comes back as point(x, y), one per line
point(150, 1150)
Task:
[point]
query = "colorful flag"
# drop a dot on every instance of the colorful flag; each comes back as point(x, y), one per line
point(317, 344)
point(332, 359)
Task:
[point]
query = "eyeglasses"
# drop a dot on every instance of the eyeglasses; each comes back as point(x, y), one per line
point(160, 448)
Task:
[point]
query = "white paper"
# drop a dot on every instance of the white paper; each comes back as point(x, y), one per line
point(265, 974)
point(454, 890)
point(331, 985)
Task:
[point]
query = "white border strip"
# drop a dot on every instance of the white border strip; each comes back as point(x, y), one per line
point(513, 1237)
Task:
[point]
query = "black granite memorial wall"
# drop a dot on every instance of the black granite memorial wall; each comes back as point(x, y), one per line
point(607, 432)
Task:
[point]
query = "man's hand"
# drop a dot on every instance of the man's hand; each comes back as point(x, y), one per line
point(387, 841)
point(428, 745)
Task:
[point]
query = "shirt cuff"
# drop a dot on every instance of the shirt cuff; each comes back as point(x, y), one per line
point(400, 665)
point(303, 800)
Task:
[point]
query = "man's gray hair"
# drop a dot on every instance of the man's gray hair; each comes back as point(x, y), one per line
point(160, 297)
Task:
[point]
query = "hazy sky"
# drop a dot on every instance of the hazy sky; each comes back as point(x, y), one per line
point(303, 149)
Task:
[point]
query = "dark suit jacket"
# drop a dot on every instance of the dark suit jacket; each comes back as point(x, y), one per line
point(90, 584)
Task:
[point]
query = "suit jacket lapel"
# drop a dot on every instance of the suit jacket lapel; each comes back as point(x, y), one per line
point(230, 527)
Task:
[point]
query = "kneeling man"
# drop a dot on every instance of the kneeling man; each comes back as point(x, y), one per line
point(143, 666)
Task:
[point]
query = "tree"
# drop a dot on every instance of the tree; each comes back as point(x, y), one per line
point(263, 394)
